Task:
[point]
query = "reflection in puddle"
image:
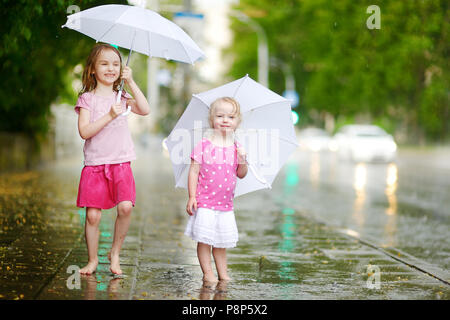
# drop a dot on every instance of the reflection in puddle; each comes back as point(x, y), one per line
point(359, 184)
point(390, 227)
point(360, 178)
point(314, 170)
point(99, 282)
point(287, 231)
point(288, 227)
point(391, 188)
point(216, 291)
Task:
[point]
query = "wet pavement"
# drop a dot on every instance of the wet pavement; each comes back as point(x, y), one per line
point(327, 230)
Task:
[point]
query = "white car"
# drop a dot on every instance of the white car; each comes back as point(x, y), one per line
point(314, 139)
point(364, 143)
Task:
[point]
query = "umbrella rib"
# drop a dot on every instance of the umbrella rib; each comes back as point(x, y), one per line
point(289, 141)
point(99, 39)
point(200, 99)
point(115, 21)
point(185, 50)
point(263, 106)
point(240, 84)
point(149, 47)
point(181, 42)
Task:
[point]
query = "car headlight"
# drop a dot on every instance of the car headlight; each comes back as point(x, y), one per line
point(392, 146)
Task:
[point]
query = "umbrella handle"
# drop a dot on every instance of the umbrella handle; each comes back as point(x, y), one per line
point(126, 112)
point(257, 176)
point(119, 95)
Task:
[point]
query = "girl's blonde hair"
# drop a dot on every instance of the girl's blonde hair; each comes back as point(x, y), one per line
point(89, 82)
point(232, 101)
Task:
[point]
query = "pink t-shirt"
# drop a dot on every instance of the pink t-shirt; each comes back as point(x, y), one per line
point(112, 144)
point(217, 176)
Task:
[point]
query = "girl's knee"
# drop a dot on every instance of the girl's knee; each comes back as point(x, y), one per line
point(125, 208)
point(93, 216)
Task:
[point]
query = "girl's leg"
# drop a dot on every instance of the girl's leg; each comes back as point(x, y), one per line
point(92, 232)
point(220, 258)
point(204, 257)
point(122, 224)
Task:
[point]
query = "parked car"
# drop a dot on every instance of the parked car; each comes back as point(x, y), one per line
point(314, 139)
point(364, 143)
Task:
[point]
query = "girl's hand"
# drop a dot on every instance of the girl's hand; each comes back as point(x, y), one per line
point(192, 202)
point(116, 109)
point(127, 75)
point(242, 156)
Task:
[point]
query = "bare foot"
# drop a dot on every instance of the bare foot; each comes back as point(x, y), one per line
point(115, 263)
point(225, 278)
point(90, 267)
point(209, 278)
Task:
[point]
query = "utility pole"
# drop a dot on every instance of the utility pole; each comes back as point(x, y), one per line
point(263, 49)
point(186, 92)
point(152, 81)
point(287, 72)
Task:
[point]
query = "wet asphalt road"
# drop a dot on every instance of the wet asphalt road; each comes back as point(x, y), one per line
point(313, 236)
point(404, 204)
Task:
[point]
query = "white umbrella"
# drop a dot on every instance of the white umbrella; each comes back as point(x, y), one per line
point(137, 29)
point(266, 132)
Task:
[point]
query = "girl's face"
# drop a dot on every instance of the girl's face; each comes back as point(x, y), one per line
point(107, 67)
point(224, 118)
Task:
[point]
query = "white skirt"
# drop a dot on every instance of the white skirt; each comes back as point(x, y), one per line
point(216, 228)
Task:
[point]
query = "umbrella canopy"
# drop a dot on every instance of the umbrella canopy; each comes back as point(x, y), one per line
point(266, 132)
point(136, 28)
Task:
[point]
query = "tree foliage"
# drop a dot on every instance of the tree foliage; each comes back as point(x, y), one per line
point(398, 75)
point(35, 57)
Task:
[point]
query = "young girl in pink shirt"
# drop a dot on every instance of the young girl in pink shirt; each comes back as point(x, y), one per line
point(106, 179)
point(216, 161)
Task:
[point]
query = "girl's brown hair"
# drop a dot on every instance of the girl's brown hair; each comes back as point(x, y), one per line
point(232, 101)
point(89, 82)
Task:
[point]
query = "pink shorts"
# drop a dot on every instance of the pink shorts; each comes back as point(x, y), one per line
point(106, 185)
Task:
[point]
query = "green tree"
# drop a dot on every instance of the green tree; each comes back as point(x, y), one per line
point(397, 75)
point(35, 57)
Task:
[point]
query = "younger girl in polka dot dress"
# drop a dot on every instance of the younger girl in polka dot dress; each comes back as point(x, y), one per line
point(216, 163)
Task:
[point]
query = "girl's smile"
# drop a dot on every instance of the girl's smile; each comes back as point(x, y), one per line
point(224, 117)
point(107, 67)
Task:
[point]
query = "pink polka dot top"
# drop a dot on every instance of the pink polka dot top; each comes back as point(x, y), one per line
point(217, 176)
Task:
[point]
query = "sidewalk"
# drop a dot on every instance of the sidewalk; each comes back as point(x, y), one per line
point(281, 254)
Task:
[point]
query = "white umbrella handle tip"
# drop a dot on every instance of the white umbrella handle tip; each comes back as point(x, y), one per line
point(126, 112)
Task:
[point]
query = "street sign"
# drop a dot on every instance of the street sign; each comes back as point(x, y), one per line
point(187, 14)
point(192, 23)
point(293, 96)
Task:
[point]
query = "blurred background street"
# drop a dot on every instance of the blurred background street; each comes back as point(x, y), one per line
point(313, 236)
point(364, 198)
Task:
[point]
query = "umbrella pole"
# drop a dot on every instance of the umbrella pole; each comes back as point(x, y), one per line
point(119, 95)
point(122, 82)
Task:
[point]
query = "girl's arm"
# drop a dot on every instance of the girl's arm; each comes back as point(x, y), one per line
point(88, 130)
point(139, 103)
point(192, 186)
point(242, 168)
